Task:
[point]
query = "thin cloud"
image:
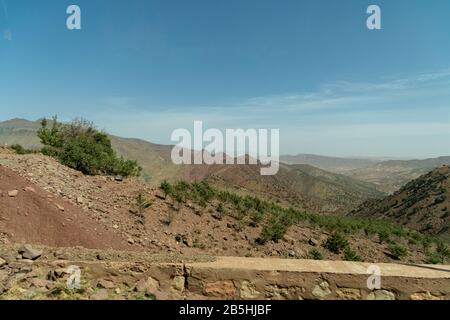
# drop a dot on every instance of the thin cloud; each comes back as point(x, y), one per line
point(344, 93)
point(7, 35)
point(5, 9)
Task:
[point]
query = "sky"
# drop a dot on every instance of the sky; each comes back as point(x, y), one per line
point(143, 68)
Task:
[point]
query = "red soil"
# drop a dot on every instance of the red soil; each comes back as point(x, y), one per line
point(38, 217)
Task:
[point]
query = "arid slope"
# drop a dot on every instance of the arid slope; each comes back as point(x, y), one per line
point(423, 204)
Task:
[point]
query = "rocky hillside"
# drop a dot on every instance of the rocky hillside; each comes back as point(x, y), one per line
point(184, 219)
point(299, 185)
point(423, 204)
point(302, 186)
point(30, 214)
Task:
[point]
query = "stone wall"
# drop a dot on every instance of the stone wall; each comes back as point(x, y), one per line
point(224, 278)
point(250, 278)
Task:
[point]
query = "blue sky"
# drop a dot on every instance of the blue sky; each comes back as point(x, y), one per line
point(310, 68)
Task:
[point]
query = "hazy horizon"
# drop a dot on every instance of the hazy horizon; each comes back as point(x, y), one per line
point(355, 157)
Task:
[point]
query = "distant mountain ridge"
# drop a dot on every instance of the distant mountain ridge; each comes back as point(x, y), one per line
point(391, 175)
point(20, 131)
point(304, 186)
point(333, 164)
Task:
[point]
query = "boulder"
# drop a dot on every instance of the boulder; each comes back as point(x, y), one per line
point(28, 252)
point(147, 285)
point(105, 284)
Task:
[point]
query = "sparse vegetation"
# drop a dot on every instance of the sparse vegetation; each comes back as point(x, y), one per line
point(21, 150)
point(336, 243)
point(433, 258)
point(440, 254)
point(442, 251)
point(82, 147)
point(397, 251)
point(383, 236)
point(350, 255)
point(315, 254)
point(166, 187)
point(142, 203)
point(273, 230)
point(276, 219)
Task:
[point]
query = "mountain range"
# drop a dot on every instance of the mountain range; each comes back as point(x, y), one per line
point(388, 176)
point(314, 182)
point(304, 186)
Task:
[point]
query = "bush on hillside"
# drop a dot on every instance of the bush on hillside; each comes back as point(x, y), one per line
point(275, 220)
point(336, 243)
point(19, 149)
point(397, 251)
point(350, 255)
point(442, 251)
point(315, 254)
point(82, 147)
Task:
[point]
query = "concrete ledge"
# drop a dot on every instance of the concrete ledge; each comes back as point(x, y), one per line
point(254, 278)
point(338, 267)
point(244, 279)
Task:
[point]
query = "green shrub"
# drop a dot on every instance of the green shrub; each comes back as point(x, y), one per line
point(21, 150)
point(315, 254)
point(220, 208)
point(433, 258)
point(350, 255)
point(80, 146)
point(443, 251)
point(257, 216)
point(336, 243)
point(274, 230)
point(166, 188)
point(142, 203)
point(397, 251)
point(383, 236)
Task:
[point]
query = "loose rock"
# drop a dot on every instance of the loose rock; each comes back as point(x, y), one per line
point(28, 252)
point(13, 193)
